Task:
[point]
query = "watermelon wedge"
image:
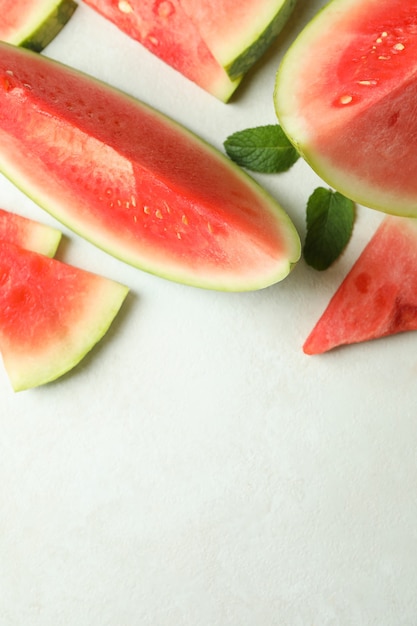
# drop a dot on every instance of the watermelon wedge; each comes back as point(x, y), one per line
point(378, 297)
point(34, 23)
point(165, 30)
point(211, 42)
point(51, 314)
point(29, 234)
point(345, 96)
point(136, 183)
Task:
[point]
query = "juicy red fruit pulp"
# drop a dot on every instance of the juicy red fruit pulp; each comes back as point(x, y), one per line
point(134, 182)
point(91, 124)
point(384, 47)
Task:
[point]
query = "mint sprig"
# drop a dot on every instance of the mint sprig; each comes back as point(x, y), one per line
point(263, 149)
point(330, 219)
point(330, 216)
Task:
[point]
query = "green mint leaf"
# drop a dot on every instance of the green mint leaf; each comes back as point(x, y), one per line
point(330, 218)
point(264, 149)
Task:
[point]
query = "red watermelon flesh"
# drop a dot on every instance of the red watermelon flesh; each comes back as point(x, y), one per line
point(378, 297)
point(28, 234)
point(345, 95)
point(134, 182)
point(51, 314)
point(164, 28)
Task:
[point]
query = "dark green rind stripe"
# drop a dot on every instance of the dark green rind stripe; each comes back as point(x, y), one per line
point(51, 26)
point(249, 56)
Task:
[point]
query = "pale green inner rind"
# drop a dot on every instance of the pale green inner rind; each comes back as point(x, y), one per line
point(32, 369)
point(358, 190)
point(224, 88)
point(43, 239)
point(37, 36)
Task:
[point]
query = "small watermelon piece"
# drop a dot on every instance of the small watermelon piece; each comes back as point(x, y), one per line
point(378, 297)
point(345, 96)
point(164, 29)
point(238, 33)
point(34, 23)
point(51, 314)
point(29, 234)
point(136, 183)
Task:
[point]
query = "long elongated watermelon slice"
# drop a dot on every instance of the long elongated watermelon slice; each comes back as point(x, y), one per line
point(51, 314)
point(378, 297)
point(29, 234)
point(136, 183)
point(345, 95)
point(33, 23)
point(238, 32)
point(164, 28)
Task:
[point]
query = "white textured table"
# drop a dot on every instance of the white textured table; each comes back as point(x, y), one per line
point(197, 469)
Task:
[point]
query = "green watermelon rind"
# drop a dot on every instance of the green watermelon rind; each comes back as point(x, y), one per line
point(50, 21)
point(262, 42)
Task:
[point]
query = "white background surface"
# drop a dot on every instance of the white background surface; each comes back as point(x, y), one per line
point(197, 469)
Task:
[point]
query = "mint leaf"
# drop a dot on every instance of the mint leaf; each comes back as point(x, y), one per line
point(263, 149)
point(330, 218)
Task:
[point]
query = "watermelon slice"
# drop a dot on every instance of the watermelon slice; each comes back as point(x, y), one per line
point(136, 183)
point(33, 23)
point(211, 42)
point(345, 96)
point(29, 234)
point(378, 297)
point(238, 33)
point(51, 314)
point(164, 28)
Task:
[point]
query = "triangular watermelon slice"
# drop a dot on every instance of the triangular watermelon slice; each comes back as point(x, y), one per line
point(51, 314)
point(29, 234)
point(165, 30)
point(378, 297)
point(33, 23)
point(211, 42)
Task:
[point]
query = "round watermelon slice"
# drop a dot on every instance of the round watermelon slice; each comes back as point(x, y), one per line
point(33, 23)
point(51, 314)
point(135, 182)
point(345, 96)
